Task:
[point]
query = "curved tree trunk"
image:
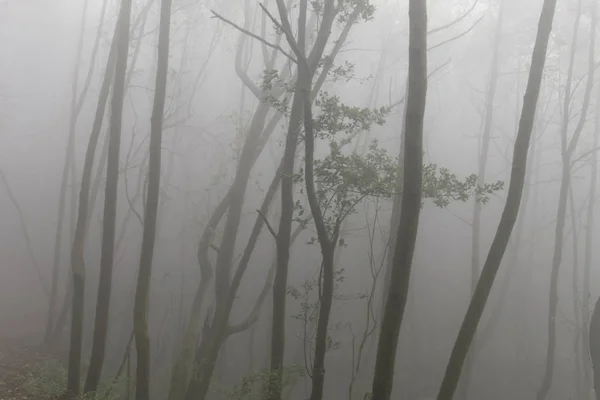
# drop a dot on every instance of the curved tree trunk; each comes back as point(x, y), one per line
point(511, 208)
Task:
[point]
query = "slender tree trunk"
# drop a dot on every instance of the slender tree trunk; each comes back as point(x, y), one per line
point(110, 201)
point(283, 251)
point(568, 148)
point(140, 312)
point(511, 208)
point(411, 203)
point(77, 254)
point(304, 88)
point(327, 245)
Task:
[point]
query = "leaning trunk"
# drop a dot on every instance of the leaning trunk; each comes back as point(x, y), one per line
point(511, 208)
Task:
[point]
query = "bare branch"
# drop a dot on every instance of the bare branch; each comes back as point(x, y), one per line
point(254, 36)
point(28, 242)
point(456, 21)
point(457, 36)
point(269, 227)
point(437, 69)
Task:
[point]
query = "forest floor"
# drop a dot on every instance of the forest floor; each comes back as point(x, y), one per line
point(22, 373)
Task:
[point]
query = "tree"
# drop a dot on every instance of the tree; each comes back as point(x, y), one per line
point(411, 203)
point(270, 95)
point(110, 206)
point(122, 47)
point(511, 208)
point(568, 147)
point(140, 312)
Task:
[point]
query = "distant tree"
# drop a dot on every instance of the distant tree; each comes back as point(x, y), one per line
point(587, 263)
point(77, 100)
point(568, 148)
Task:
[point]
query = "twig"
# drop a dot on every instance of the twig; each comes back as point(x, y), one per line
point(28, 243)
point(272, 18)
point(399, 102)
point(254, 36)
point(457, 36)
point(456, 21)
point(269, 227)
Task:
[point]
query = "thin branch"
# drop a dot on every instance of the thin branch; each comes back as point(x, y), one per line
point(437, 69)
point(254, 36)
point(457, 36)
point(456, 21)
point(28, 244)
point(269, 227)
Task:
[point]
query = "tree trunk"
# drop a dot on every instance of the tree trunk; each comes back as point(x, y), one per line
point(110, 201)
point(411, 203)
point(140, 311)
point(77, 256)
point(511, 208)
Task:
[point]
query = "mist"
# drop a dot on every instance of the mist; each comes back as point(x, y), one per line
point(219, 199)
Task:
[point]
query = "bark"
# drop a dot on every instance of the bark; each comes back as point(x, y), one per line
point(568, 148)
point(477, 205)
point(140, 311)
point(511, 208)
point(411, 203)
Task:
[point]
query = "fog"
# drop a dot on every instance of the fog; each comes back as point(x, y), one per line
point(231, 78)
